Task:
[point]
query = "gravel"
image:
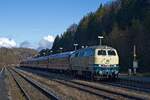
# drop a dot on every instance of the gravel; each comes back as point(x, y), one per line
point(65, 92)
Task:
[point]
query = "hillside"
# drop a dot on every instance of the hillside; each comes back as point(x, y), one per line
point(123, 23)
point(14, 55)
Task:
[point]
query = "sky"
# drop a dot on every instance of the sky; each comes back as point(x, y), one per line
point(35, 23)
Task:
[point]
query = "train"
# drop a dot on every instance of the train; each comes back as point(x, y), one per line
point(93, 62)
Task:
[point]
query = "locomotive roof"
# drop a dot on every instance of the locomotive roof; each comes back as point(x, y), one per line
point(97, 47)
point(101, 47)
point(61, 55)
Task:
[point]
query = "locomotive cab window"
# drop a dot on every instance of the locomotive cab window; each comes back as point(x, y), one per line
point(111, 53)
point(101, 52)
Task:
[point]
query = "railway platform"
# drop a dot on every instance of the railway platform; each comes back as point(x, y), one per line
point(3, 91)
point(135, 78)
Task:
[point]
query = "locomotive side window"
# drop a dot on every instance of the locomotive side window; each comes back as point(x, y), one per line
point(101, 52)
point(81, 53)
point(88, 52)
point(111, 52)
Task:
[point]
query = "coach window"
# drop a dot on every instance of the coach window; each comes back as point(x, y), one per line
point(90, 52)
point(102, 52)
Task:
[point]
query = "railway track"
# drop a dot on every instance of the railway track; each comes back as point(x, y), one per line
point(106, 93)
point(141, 87)
point(1, 70)
point(80, 90)
point(26, 96)
point(120, 91)
point(30, 88)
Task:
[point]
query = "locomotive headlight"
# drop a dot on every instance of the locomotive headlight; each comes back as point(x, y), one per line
point(116, 72)
point(100, 72)
point(115, 65)
point(99, 65)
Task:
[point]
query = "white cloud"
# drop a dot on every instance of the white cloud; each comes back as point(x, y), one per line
point(7, 42)
point(49, 38)
point(46, 42)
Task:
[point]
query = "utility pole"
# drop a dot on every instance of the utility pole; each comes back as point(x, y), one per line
point(51, 51)
point(134, 52)
point(75, 46)
point(61, 49)
point(100, 39)
point(135, 62)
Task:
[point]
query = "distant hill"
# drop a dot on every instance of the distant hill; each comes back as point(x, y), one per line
point(10, 56)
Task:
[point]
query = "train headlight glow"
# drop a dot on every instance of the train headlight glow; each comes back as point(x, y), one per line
point(100, 72)
point(99, 65)
point(116, 72)
point(115, 65)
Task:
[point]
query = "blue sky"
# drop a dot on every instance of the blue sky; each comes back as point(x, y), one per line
point(31, 20)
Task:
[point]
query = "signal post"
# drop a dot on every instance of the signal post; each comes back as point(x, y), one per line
point(135, 62)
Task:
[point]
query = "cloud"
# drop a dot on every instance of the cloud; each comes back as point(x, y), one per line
point(26, 44)
point(7, 42)
point(49, 38)
point(46, 42)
